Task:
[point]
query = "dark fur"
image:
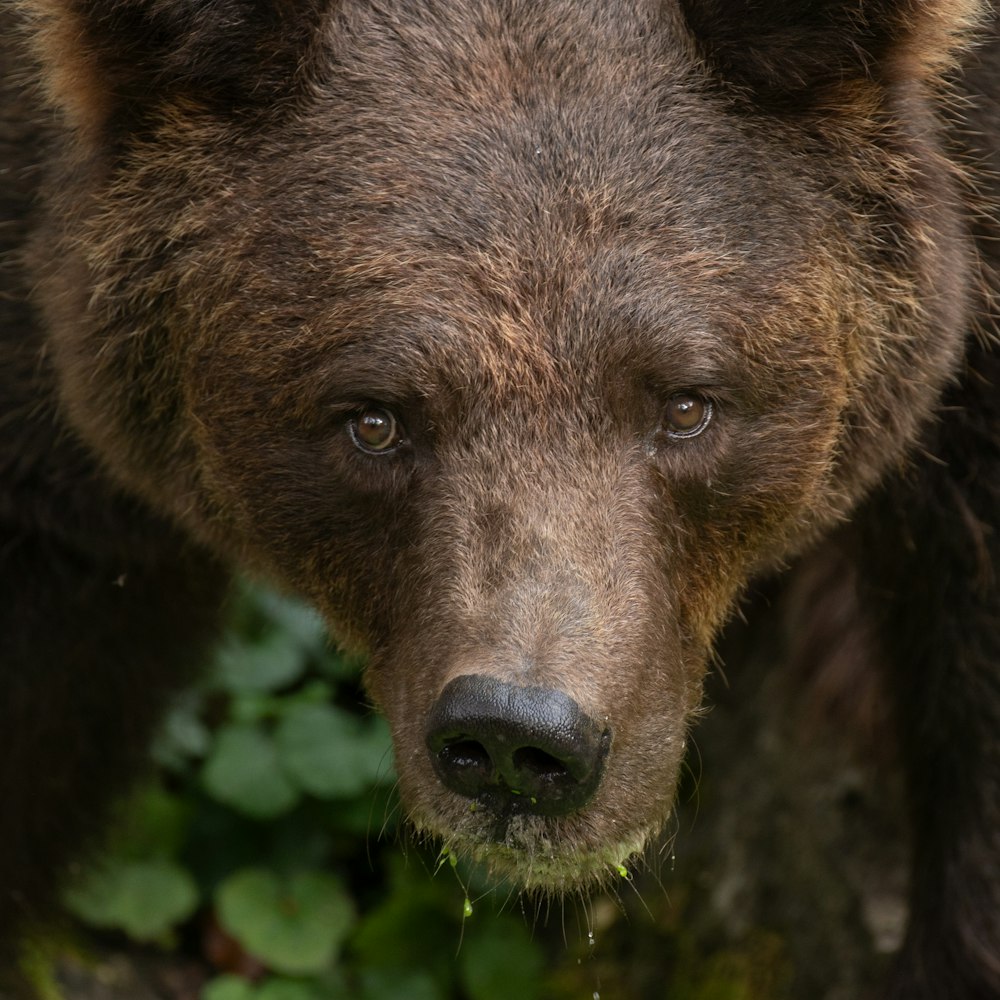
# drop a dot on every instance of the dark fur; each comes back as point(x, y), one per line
point(523, 226)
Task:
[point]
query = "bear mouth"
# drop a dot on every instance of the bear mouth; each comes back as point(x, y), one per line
point(538, 853)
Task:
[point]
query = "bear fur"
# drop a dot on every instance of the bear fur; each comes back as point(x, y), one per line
point(528, 239)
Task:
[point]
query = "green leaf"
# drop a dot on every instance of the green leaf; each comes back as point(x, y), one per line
point(243, 772)
point(276, 662)
point(499, 961)
point(183, 735)
point(417, 925)
point(340, 666)
point(400, 984)
point(293, 925)
point(331, 753)
point(374, 815)
point(315, 692)
point(228, 988)
point(279, 988)
point(144, 899)
point(154, 824)
point(251, 708)
point(299, 620)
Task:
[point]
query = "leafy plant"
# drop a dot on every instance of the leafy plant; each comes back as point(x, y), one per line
point(255, 845)
point(294, 925)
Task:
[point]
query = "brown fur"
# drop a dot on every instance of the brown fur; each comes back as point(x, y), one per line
point(522, 227)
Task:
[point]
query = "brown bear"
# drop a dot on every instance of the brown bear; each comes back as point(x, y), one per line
point(517, 335)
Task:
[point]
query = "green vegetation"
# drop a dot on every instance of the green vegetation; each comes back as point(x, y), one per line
point(269, 847)
point(269, 839)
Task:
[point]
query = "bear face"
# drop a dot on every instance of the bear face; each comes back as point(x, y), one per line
point(515, 336)
point(537, 520)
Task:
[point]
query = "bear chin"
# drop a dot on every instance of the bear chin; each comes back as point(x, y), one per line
point(541, 855)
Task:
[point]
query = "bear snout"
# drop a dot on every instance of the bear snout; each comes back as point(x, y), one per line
point(516, 749)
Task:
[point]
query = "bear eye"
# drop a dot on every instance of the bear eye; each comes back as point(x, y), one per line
point(687, 414)
point(376, 430)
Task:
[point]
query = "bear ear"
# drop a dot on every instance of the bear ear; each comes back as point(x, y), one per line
point(785, 51)
point(107, 62)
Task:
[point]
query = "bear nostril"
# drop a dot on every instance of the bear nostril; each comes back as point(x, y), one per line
point(468, 763)
point(538, 763)
point(529, 749)
point(467, 753)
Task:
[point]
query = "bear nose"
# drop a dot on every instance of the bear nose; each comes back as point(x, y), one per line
point(522, 749)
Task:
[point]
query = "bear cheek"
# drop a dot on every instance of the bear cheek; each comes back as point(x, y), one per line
point(318, 531)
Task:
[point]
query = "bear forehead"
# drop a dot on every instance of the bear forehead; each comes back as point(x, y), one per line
point(519, 199)
point(463, 272)
point(423, 315)
point(529, 126)
point(462, 350)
